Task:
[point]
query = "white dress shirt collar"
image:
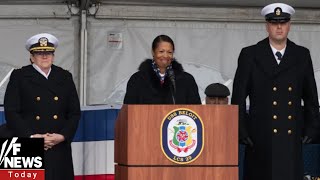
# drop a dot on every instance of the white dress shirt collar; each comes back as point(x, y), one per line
point(41, 72)
point(274, 50)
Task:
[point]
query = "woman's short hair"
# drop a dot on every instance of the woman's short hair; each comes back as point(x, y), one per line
point(161, 38)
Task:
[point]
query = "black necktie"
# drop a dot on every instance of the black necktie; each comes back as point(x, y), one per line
point(279, 55)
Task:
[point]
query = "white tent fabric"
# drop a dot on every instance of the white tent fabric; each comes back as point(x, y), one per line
point(208, 41)
point(207, 50)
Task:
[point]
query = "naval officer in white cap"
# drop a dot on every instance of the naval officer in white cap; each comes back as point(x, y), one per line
point(276, 75)
point(41, 101)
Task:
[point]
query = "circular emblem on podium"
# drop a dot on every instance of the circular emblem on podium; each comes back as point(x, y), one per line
point(182, 136)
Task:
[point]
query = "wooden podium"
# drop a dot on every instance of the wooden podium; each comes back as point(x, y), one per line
point(138, 149)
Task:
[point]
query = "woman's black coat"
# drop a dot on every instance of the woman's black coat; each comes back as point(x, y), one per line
point(36, 105)
point(144, 87)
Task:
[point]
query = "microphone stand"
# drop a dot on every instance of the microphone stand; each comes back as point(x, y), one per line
point(173, 92)
point(173, 84)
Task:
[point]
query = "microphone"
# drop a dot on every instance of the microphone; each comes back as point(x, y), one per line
point(173, 82)
point(172, 79)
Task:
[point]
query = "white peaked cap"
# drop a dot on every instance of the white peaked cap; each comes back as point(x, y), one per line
point(277, 11)
point(42, 42)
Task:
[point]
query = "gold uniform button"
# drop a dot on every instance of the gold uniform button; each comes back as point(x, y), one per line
point(274, 88)
point(275, 131)
point(38, 98)
point(55, 117)
point(289, 88)
point(37, 117)
point(289, 131)
point(289, 117)
point(289, 103)
point(275, 117)
point(274, 103)
point(56, 98)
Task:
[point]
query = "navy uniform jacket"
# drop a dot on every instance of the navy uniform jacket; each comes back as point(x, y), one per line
point(36, 105)
point(276, 120)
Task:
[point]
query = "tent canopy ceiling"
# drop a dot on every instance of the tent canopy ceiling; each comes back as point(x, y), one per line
point(247, 3)
point(26, 2)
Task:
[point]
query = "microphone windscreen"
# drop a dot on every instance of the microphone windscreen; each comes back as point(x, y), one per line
point(170, 73)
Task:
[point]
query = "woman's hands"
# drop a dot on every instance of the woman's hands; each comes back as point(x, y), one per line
point(50, 139)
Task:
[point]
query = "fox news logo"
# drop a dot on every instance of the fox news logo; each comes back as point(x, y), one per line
point(21, 158)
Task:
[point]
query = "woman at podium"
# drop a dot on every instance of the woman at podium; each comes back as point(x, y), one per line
point(162, 80)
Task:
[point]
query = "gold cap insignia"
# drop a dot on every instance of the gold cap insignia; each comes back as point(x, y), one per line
point(278, 11)
point(43, 41)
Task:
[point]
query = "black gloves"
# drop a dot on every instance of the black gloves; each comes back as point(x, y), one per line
point(247, 141)
point(306, 140)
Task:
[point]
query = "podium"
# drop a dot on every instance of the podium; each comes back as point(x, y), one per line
point(153, 142)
